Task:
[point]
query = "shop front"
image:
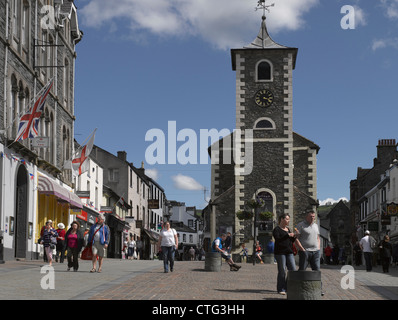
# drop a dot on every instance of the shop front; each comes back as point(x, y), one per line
point(118, 228)
point(56, 202)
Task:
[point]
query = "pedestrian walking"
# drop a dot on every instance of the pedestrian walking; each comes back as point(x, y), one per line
point(367, 244)
point(41, 237)
point(309, 243)
point(131, 248)
point(192, 253)
point(216, 246)
point(395, 253)
point(283, 251)
point(74, 242)
point(169, 243)
point(385, 251)
point(125, 248)
point(99, 238)
point(49, 241)
point(60, 253)
point(328, 254)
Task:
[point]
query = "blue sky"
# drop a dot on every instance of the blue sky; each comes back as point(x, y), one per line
point(142, 64)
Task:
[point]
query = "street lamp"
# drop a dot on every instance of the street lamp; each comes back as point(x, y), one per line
point(257, 205)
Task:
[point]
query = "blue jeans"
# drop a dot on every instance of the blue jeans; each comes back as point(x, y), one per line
point(284, 260)
point(313, 258)
point(168, 255)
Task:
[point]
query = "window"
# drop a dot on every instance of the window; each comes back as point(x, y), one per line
point(264, 71)
point(25, 25)
point(16, 19)
point(66, 83)
point(265, 124)
point(113, 175)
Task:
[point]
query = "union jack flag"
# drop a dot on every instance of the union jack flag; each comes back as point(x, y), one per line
point(29, 122)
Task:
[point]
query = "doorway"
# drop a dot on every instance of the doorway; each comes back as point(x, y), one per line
point(21, 213)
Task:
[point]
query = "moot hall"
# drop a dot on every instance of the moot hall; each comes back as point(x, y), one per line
point(283, 172)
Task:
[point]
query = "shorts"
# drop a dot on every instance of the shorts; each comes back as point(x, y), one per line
point(98, 249)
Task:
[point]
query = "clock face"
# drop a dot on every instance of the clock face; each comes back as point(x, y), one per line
point(264, 98)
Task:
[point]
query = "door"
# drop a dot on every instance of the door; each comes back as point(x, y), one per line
point(21, 213)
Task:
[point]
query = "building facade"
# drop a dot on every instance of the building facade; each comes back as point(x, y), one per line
point(37, 43)
point(279, 165)
point(368, 192)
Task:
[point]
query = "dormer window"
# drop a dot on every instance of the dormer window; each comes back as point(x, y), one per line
point(264, 71)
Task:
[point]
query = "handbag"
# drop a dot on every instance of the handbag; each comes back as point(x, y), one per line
point(87, 253)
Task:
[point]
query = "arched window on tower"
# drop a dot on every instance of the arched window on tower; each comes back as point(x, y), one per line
point(264, 71)
point(265, 124)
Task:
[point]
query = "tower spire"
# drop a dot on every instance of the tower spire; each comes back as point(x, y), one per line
point(263, 40)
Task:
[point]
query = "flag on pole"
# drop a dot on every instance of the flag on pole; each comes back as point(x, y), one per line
point(80, 163)
point(29, 122)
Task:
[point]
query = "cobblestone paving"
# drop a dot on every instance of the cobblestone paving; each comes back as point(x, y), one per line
point(145, 280)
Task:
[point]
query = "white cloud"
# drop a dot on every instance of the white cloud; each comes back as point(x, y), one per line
point(384, 43)
point(331, 201)
point(360, 16)
point(391, 8)
point(223, 23)
point(186, 183)
point(152, 173)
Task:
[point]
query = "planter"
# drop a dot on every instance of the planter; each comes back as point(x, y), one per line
point(244, 215)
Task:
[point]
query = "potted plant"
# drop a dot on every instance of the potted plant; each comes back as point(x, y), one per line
point(265, 216)
point(255, 203)
point(244, 215)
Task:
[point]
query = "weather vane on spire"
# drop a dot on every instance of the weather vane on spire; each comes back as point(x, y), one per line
point(261, 5)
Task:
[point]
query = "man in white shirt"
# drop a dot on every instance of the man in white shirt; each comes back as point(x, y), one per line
point(366, 247)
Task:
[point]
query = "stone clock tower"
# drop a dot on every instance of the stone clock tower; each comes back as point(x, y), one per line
point(283, 170)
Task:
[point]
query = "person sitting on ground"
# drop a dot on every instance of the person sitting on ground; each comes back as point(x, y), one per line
point(217, 247)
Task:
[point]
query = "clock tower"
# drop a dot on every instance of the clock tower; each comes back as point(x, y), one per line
point(283, 163)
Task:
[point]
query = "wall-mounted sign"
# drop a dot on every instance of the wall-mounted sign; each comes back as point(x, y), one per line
point(41, 142)
point(153, 204)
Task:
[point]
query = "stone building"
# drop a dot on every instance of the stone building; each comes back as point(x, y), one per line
point(365, 188)
point(338, 223)
point(263, 158)
point(37, 43)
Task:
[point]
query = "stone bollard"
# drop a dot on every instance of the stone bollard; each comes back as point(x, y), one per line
point(213, 261)
point(304, 285)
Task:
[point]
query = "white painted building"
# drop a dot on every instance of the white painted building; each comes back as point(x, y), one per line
point(379, 207)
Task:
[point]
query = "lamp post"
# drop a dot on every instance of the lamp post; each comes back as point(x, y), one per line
point(257, 208)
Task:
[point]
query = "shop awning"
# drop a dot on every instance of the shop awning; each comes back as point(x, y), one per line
point(153, 236)
point(51, 187)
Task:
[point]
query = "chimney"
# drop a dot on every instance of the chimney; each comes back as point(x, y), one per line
point(386, 150)
point(122, 155)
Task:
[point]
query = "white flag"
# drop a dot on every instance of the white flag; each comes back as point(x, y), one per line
point(80, 163)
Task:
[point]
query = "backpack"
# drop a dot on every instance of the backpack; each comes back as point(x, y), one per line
point(373, 243)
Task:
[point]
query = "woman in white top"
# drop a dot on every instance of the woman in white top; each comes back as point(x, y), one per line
point(169, 243)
